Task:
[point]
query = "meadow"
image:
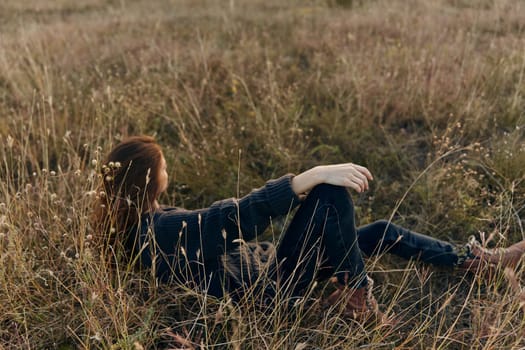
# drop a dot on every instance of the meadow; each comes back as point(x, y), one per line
point(428, 94)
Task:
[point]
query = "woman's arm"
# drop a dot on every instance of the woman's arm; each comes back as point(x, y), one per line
point(214, 230)
point(346, 175)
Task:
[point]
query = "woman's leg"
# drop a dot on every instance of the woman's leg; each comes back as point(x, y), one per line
point(383, 236)
point(322, 240)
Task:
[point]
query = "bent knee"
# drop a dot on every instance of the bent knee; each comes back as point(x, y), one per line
point(327, 191)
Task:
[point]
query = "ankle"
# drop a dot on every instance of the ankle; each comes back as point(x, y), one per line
point(344, 281)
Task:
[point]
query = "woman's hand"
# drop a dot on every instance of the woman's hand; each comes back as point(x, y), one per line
point(346, 175)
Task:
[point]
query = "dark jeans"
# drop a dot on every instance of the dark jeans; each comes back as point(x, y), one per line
point(322, 241)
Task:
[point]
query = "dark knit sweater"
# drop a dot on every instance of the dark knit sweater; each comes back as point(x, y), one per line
point(193, 245)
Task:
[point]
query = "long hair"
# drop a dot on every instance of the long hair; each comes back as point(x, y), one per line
point(129, 188)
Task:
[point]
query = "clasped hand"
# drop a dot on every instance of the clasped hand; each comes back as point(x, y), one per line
point(346, 174)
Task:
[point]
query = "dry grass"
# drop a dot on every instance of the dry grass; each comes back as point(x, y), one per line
point(430, 95)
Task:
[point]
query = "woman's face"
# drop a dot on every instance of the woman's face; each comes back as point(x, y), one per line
point(163, 175)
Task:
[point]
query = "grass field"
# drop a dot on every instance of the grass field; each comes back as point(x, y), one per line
point(429, 95)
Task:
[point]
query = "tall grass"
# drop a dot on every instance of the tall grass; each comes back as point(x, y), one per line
point(429, 95)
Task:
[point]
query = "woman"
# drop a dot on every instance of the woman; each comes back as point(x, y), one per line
point(210, 248)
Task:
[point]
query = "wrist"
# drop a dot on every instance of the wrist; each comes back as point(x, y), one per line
point(318, 176)
point(305, 181)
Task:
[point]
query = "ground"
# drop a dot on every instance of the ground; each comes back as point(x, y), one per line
point(429, 95)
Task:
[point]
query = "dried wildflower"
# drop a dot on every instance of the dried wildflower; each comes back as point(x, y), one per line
point(52, 173)
point(109, 178)
point(10, 141)
point(117, 165)
point(94, 162)
point(96, 337)
point(89, 237)
point(78, 172)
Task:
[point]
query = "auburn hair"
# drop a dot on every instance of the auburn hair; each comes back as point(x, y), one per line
point(129, 187)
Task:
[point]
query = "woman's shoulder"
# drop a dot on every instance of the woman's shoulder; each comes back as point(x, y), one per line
point(165, 215)
point(167, 208)
point(164, 210)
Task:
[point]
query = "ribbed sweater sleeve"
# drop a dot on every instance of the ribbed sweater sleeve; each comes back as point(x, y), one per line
point(205, 234)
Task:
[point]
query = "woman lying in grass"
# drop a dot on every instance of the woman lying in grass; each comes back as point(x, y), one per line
point(210, 248)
